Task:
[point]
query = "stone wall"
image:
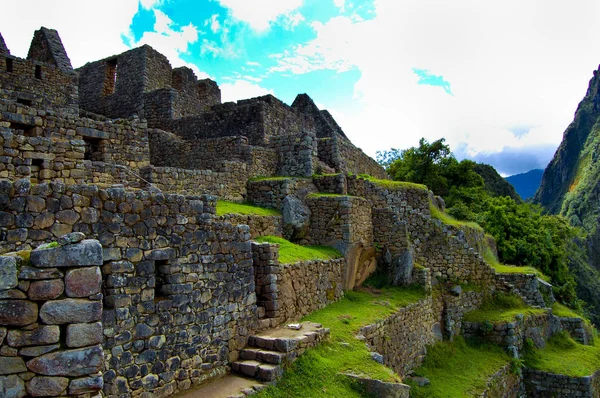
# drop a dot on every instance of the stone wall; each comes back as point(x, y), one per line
point(331, 183)
point(340, 154)
point(287, 292)
point(504, 384)
point(50, 321)
point(259, 225)
point(339, 221)
point(512, 335)
point(526, 286)
point(455, 307)
point(270, 192)
point(403, 337)
point(540, 384)
point(178, 286)
point(578, 329)
point(297, 154)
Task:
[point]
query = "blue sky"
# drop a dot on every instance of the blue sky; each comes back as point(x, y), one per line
point(500, 80)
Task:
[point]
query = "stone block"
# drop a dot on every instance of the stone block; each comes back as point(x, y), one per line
point(42, 386)
point(37, 351)
point(83, 282)
point(31, 273)
point(79, 362)
point(86, 385)
point(84, 334)
point(8, 273)
point(85, 253)
point(39, 336)
point(46, 290)
point(70, 311)
point(12, 387)
point(10, 365)
point(17, 312)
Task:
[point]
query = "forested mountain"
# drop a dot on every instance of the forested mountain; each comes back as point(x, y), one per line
point(526, 184)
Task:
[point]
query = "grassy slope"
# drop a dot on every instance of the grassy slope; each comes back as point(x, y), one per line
point(458, 369)
point(511, 269)
point(224, 207)
point(290, 253)
point(562, 355)
point(449, 220)
point(501, 308)
point(315, 374)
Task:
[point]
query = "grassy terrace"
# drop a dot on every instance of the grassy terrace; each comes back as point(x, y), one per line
point(501, 308)
point(316, 373)
point(458, 369)
point(449, 220)
point(389, 184)
point(290, 253)
point(224, 207)
point(511, 269)
point(563, 355)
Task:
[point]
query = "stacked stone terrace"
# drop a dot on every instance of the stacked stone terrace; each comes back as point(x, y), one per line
point(132, 154)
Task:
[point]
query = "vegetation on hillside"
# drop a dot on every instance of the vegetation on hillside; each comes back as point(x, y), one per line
point(562, 355)
point(458, 369)
point(290, 253)
point(317, 372)
point(524, 235)
point(501, 308)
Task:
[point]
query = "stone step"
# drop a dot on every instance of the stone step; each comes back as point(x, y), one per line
point(266, 356)
point(258, 370)
point(230, 386)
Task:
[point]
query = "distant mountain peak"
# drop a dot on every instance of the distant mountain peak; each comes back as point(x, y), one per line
point(526, 184)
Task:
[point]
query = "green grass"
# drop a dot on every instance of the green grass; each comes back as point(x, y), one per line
point(255, 179)
point(334, 195)
point(563, 355)
point(489, 258)
point(563, 311)
point(224, 207)
point(316, 373)
point(290, 253)
point(501, 308)
point(458, 369)
point(449, 220)
point(389, 184)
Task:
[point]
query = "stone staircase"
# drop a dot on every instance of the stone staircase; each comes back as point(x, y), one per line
point(270, 350)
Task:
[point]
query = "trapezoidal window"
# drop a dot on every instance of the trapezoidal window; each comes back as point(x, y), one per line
point(159, 266)
point(24, 129)
point(9, 65)
point(38, 72)
point(24, 101)
point(93, 149)
point(36, 166)
point(110, 78)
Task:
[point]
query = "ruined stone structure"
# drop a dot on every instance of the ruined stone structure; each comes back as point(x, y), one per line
point(163, 295)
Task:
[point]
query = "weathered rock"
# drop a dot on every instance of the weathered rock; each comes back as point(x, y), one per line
point(40, 336)
point(8, 273)
point(83, 282)
point(72, 238)
point(42, 386)
point(86, 385)
point(70, 311)
point(80, 362)
point(402, 268)
point(17, 312)
point(377, 357)
point(37, 351)
point(85, 253)
point(32, 273)
point(10, 365)
point(46, 289)
point(84, 334)
point(12, 387)
point(296, 218)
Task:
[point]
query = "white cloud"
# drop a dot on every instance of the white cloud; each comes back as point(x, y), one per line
point(89, 30)
point(339, 4)
point(172, 41)
point(519, 63)
point(242, 89)
point(260, 14)
point(213, 23)
point(149, 4)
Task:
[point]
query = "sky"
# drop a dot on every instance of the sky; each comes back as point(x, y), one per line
point(499, 80)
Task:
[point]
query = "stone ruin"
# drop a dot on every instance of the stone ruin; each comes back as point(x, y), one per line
point(163, 295)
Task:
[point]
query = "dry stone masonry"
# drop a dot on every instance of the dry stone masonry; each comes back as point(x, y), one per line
point(117, 278)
